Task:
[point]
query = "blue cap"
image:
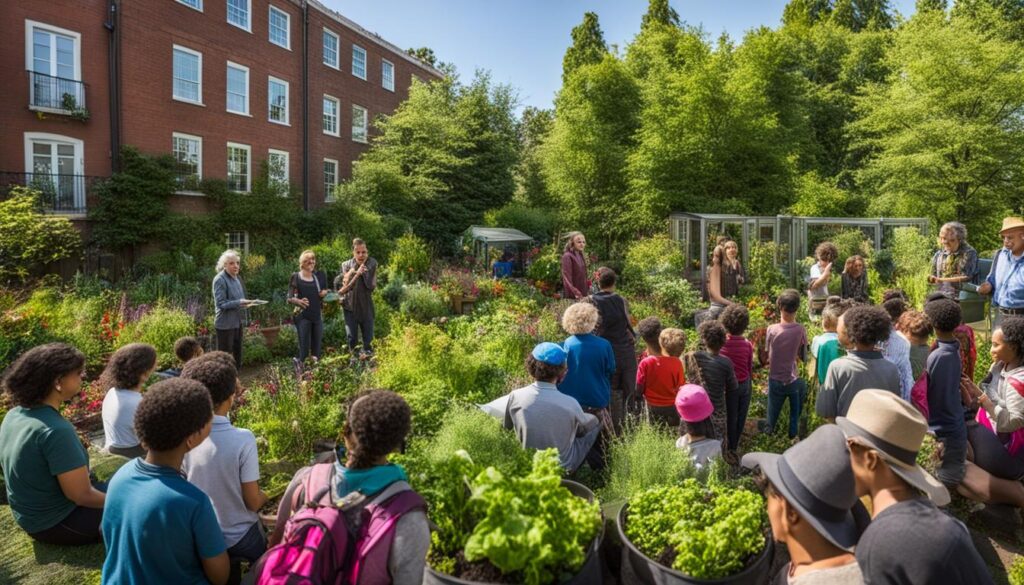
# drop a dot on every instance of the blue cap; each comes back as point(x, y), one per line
point(549, 353)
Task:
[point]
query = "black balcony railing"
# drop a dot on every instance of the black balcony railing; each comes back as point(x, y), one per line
point(60, 193)
point(56, 93)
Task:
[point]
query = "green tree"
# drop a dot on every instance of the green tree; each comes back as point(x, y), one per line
point(30, 239)
point(425, 54)
point(926, 5)
point(946, 133)
point(533, 129)
point(858, 15)
point(588, 46)
point(806, 12)
point(659, 12)
point(132, 204)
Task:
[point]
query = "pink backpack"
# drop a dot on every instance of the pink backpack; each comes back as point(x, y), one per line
point(919, 394)
point(1016, 437)
point(320, 547)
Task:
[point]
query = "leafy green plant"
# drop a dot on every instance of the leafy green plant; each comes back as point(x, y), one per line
point(532, 221)
point(410, 259)
point(705, 532)
point(422, 303)
point(1015, 574)
point(763, 274)
point(287, 342)
point(255, 349)
point(31, 239)
point(649, 260)
point(643, 457)
point(546, 266)
point(481, 435)
point(675, 296)
point(160, 328)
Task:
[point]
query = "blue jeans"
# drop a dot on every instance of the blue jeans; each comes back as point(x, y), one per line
point(250, 548)
point(778, 392)
point(354, 325)
point(736, 406)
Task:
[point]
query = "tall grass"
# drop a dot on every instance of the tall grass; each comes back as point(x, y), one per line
point(644, 456)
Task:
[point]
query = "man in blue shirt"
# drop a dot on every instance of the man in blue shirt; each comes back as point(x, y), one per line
point(1006, 279)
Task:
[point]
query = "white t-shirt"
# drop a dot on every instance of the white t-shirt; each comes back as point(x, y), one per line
point(822, 291)
point(702, 451)
point(119, 417)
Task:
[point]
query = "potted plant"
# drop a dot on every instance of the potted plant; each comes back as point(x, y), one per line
point(459, 288)
point(696, 534)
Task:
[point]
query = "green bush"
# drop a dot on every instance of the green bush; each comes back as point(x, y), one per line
point(76, 320)
point(1015, 574)
point(481, 435)
point(546, 266)
point(255, 349)
point(287, 342)
point(19, 332)
point(649, 261)
point(31, 239)
point(167, 287)
point(410, 259)
point(764, 277)
point(676, 296)
point(532, 221)
point(269, 282)
point(422, 303)
point(850, 243)
point(160, 328)
point(911, 252)
point(643, 457)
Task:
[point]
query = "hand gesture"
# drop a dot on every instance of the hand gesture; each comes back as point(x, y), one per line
point(828, 268)
point(985, 288)
point(969, 388)
point(302, 303)
point(362, 269)
point(324, 292)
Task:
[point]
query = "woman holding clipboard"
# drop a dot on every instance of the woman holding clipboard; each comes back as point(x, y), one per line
point(228, 302)
point(355, 284)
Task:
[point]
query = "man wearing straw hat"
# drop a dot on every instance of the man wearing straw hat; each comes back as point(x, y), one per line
point(909, 540)
point(1006, 279)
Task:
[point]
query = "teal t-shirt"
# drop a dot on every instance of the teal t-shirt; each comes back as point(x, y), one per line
point(826, 349)
point(157, 527)
point(36, 445)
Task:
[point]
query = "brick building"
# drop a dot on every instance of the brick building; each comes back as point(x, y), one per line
point(224, 86)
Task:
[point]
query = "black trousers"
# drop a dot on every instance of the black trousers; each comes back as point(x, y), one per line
point(230, 340)
point(311, 335)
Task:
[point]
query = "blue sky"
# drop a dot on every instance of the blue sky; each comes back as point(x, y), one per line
point(522, 41)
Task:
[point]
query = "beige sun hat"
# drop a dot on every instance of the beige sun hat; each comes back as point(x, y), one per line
point(884, 422)
point(1011, 223)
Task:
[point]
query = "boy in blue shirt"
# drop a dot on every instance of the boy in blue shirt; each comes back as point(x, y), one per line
point(159, 528)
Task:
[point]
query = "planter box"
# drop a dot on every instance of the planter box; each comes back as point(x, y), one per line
point(463, 305)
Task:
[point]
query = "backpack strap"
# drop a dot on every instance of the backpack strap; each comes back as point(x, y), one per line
point(1017, 384)
point(316, 487)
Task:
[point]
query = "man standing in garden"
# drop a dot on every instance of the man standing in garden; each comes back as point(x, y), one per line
point(1005, 281)
point(355, 284)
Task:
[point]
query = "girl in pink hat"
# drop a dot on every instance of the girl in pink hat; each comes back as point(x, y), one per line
point(695, 429)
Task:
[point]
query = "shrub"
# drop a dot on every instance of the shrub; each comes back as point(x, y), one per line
point(160, 328)
point(170, 288)
point(546, 267)
point(394, 292)
point(255, 349)
point(19, 332)
point(911, 252)
point(1015, 574)
point(422, 303)
point(269, 282)
point(649, 261)
point(287, 342)
point(644, 457)
point(532, 221)
point(410, 258)
point(850, 243)
point(30, 239)
point(481, 435)
point(676, 296)
point(85, 322)
point(763, 274)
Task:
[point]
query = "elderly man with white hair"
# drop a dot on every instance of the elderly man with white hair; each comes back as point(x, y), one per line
point(228, 302)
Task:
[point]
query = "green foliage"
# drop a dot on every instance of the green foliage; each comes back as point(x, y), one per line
point(132, 204)
point(19, 332)
point(645, 456)
point(160, 328)
point(255, 349)
point(481, 435)
point(534, 128)
point(532, 221)
point(1015, 574)
point(588, 46)
point(546, 267)
point(29, 238)
point(850, 243)
point(648, 259)
point(275, 221)
point(676, 296)
point(287, 342)
point(73, 319)
point(422, 303)
point(763, 273)
point(819, 197)
point(410, 259)
point(712, 530)
point(911, 255)
point(659, 12)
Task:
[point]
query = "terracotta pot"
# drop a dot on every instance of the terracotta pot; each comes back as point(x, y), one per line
point(270, 334)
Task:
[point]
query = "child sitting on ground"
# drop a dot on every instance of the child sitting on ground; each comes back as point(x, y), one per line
point(125, 374)
point(659, 377)
point(649, 330)
point(787, 343)
point(825, 347)
point(740, 352)
point(714, 373)
point(916, 328)
point(158, 527)
point(185, 349)
point(695, 411)
point(226, 466)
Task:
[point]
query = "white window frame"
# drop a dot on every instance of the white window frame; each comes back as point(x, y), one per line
point(199, 166)
point(30, 25)
point(329, 188)
point(232, 64)
point(79, 146)
point(384, 63)
point(275, 182)
point(288, 28)
point(337, 49)
point(248, 16)
point(356, 48)
point(231, 245)
point(197, 8)
point(337, 116)
point(198, 102)
point(287, 99)
point(366, 124)
point(248, 165)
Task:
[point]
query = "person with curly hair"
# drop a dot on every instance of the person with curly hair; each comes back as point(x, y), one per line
point(45, 466)
point(821, 273)
point(185, 349)
point(649, 329)
point(125, 374)
point(158, 527)
point(855, 280)
point(787, 344)
point(591, 363)
point(226, 466)
point(945, 404)
point(860, 330)
point(715, 374)
point(659, 377)
point(916, 328)
point(377, 424)
point(740, 352)
point(956, 262)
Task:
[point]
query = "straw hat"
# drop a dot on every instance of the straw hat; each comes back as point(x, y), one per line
point(882, 421)
point(1011, 223)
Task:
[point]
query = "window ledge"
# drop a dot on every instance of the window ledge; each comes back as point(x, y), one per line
point(189, 102)
point(244, 115)
point(279, 123)
point(55, 111)
point(240, 27)
point(189, 193)
point(334, 134)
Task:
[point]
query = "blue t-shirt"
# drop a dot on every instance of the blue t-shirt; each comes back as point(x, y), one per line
point(591, 365)
point(945, 411)
point(157, 526)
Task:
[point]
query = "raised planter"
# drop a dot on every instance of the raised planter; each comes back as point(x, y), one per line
point(589, 573)
point(463, 305)
point(89, 422)
point(650, 572)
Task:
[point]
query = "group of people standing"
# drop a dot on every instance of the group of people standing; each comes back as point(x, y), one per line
point(308, 290)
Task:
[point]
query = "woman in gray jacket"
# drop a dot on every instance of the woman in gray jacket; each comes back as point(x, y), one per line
point(228, 301)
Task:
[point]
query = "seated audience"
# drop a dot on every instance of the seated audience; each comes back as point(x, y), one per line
point(659, 377)
point(158, 527)
point(740, 352)
point(185, 349)
point(125, 374)
point(45, 466)
point(543, 417)
point(715, 374)
point(695, 431)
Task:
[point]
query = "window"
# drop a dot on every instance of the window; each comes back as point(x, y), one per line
point(237, 241)
point(330, 178)
point(239, 169)
point(53, 56)
point(197, 4)
point(359, 120)
point(279, 28)
point(238, 13)
point(330, 115)
point(238, 88)
point(277, 100)
point(359, 61)
point(330, 49)
point(277, 171)
point(188, 75)
point(188, 156)
point(54, 164)
point(387, 74)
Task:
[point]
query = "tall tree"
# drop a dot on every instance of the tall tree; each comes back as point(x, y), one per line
point(926, 5)
point(425, 54)
point(534, 128)
point(947, 131)
point(858, 15)
point(806, 12)
point(588, 46)
point(659, 12)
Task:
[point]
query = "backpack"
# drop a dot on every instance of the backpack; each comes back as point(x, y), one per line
point(919, 394)
point(1016, 438)
point(321, 547)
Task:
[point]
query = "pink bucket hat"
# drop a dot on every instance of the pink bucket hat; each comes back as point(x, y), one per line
point(693, 404)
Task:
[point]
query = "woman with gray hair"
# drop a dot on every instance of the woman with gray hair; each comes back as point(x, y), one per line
point(955, 262)
point(591, 363)
point(228, 302)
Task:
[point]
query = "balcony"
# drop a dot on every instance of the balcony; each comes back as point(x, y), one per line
point(64, 194)
point(57, 95)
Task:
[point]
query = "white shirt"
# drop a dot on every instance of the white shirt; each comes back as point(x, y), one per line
point(897, 351)
point(822, 291)
point(702, 451)
point(119, 418)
